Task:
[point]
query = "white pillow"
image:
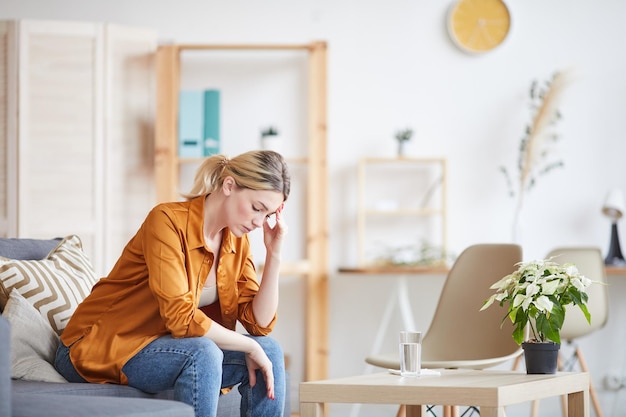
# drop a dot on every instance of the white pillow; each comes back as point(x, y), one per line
point(33, 342)
point(55, 286)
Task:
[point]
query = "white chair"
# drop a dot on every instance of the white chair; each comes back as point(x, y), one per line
point(461, 336)
point(590, 263)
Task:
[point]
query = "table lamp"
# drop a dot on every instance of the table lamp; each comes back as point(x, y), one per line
point(614, 208)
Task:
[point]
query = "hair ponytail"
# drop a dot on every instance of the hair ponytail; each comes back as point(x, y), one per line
point(256, 170)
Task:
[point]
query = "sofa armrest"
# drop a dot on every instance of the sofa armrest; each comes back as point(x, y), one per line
point(5, 367)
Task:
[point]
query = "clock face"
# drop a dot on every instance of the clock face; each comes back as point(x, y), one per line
point(478, 26)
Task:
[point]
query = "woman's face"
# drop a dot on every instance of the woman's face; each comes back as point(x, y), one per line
point(248, 209)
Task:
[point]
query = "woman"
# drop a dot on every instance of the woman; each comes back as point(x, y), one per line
point(165, 315)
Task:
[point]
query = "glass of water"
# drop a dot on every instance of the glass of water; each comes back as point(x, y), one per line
point(410, 353)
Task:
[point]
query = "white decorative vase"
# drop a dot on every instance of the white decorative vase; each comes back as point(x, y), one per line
point(271, 143)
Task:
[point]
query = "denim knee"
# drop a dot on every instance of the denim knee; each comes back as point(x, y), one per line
point(208, 352)
point(192, 366)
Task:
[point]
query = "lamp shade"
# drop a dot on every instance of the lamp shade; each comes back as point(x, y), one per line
point(614, 206)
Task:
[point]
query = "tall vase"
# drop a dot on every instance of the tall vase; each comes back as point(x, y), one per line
point(271, 143)
point(401, 148)
point(541, 358)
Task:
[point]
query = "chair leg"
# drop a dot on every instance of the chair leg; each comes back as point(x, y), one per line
point(401, 411)
point(534, 411)
point(592, 392)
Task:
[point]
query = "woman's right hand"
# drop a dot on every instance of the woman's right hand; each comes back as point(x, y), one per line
point(255, 355)
point(257, 359)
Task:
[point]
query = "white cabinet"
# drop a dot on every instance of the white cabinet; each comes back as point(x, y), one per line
point(76, 117)
point(402, 211)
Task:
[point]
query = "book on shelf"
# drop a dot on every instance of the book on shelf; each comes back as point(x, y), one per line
point(198, 123)
point(190, 124)
point(211, 122)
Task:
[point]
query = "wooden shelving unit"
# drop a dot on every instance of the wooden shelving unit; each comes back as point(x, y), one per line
point(408, 188)
point(167, 164)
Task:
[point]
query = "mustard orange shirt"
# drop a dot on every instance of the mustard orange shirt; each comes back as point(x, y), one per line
point(154, 289)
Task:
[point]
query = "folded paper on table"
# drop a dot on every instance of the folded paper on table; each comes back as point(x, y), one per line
point(423, 372)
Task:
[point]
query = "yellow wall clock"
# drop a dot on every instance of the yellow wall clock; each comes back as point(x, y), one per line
point(478, 26)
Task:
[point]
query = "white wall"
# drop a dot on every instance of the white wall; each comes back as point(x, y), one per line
point(391, 65)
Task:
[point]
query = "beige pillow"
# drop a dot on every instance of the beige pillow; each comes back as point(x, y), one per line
point(33, 342)
point(54, 285)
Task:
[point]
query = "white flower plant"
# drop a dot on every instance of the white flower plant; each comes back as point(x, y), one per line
point(536, 295)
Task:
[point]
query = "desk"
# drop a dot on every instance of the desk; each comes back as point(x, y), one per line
point(615, 270)
point(399, 296)
point(491, 391)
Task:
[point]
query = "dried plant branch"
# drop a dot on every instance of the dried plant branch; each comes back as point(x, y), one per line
point(534, 149)
point(533, 152)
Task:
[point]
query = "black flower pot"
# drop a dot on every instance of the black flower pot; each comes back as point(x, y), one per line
point(541, 358)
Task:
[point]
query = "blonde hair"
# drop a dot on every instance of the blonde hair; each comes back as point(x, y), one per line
point(256, 170)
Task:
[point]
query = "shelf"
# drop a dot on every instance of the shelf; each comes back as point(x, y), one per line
point(424, 270)
point(298, 160)
point(167, 170)
point(297, 268)
point(616, 270)
point(408, 214)
point(434, 270)
point(403, 212)
point(396, 270)
point(380, 160)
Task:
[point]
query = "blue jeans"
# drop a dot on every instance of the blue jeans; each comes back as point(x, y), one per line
point(197, 369)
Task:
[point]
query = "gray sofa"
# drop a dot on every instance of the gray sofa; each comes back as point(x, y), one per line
point(19, 398)
point(28, 398)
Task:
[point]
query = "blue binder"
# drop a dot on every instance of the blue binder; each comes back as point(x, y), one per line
point(191, 124)
point(211, 122)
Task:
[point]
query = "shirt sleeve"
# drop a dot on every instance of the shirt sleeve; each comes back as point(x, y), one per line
point(171, 282)
point(248, 286)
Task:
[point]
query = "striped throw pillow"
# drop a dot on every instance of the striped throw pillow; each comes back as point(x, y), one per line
point(54, 285)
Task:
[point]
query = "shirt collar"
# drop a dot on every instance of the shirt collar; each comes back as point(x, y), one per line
point(196, 234)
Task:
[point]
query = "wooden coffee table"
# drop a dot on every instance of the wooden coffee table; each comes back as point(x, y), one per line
point(491, 391)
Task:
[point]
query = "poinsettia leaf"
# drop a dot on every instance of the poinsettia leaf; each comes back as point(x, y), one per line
point(518, 335)
point(519, 320)
point(557, 316)
point(586, 313)
point(548, 328)
point(578, 298)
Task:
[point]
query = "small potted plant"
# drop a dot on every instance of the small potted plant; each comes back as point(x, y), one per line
point(403, 136)
point(535, 296)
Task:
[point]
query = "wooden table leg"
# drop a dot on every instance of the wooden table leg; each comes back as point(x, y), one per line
point(415, 410)
point(311, 409)
point(492, 412)
point(578, 404)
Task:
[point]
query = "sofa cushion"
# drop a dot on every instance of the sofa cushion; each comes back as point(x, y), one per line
point(55, 285)
point(228, 405)
point(85, 389)
point(30, 405)
point(33, 342)
point(27, 249)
